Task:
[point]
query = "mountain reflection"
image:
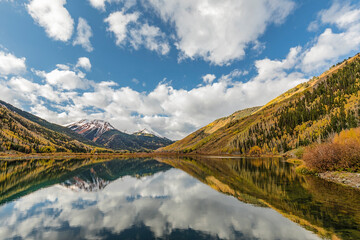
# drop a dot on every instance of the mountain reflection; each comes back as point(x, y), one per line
point(142, 199)
point(328, 209)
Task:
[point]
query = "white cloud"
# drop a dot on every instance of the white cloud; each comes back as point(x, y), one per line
point(174, 113)
point(18, 90)
point(341, 13)
point(151, 37)
point(67, 80)
point(10, 64)
point(171, 112)
point(220, 31)
point(275, 69)
point(84, 33)
point(62, 67)
point(53, 16)
point(118, 22)
point(84, 63)
point(100, 4)
point(23, 85)
point(208, 78)
point(331, 45)
point(127, 28)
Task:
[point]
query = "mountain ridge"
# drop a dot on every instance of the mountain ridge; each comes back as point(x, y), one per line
point(104, 134)
point(20, 134)
point(91, 129)
point(312, 111)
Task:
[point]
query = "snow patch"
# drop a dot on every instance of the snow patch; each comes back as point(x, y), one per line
point(146, 131)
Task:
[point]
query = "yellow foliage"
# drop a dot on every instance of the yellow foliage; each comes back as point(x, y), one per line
point(255, 151)
point(47, 149)
point(348, 136)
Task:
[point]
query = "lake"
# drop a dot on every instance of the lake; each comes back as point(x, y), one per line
point(172, 198)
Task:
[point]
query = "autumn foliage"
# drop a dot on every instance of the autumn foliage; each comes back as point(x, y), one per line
point(255, 151)
point(343, 153)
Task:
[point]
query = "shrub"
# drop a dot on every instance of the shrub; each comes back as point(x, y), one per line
point(305, 170)
point(299, 152)
point(342, 154)
point(295, 161)
point(255, 151)
point(323, 157)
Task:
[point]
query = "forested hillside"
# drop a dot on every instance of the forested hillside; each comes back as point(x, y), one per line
point(22, 135)
point(311, 112)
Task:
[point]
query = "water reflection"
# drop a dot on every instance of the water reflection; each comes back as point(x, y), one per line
point(328, 209)
point(127, 199)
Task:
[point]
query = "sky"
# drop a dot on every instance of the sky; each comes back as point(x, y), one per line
point(169, 66)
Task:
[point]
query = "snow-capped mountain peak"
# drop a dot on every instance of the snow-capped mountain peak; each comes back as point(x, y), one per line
point(147, 132)
point(95, 128)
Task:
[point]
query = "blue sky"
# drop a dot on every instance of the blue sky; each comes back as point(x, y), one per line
point(170, 66)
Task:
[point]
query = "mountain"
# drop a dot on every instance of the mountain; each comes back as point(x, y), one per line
point(46, 124)
point(104, 134)
point(146, 132)
point(23, 132)
point(310, 112)
point(91, 129)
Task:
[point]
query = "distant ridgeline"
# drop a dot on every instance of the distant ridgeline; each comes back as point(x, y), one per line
point(310, 112)
point(102, 133)
point(23, 132)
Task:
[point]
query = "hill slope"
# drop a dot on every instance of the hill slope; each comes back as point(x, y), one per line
point(42, 122)
point(197, 139)
point(310, 112)
point(21, 134)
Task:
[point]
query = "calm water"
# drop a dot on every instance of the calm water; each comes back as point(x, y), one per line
point(164, 198)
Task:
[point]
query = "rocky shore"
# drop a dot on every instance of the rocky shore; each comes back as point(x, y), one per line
point(345, 178)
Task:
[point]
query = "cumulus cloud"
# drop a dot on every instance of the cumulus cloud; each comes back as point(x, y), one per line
point(23, 85)
point(127, 28)
point(208, 78)
point(341, 13)
point(171, 112)
point(220, 31)
point(118, 22)
point(333, 44)
point(53, 16)
point(84, 63)
point(10, 64)
point(276, 69)
point(18, 90)
point(150, 37)
point(84, 33)
point(100, 4)
point(67, 79)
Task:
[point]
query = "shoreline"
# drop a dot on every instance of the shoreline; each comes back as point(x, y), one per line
point(343, 178)
point(14, 156)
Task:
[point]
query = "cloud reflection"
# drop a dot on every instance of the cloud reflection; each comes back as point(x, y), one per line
point(163, 203)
